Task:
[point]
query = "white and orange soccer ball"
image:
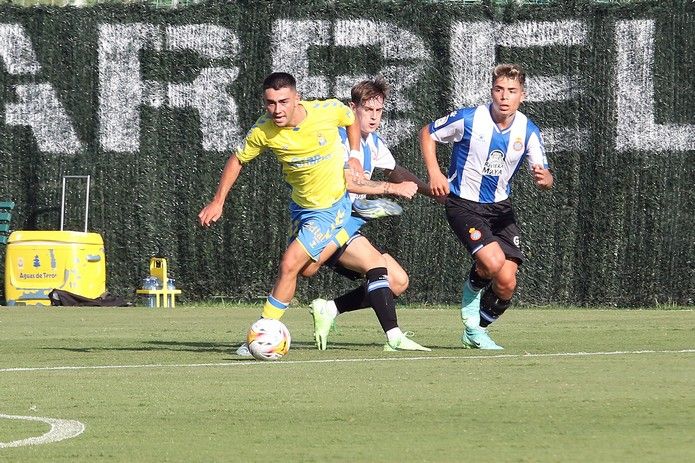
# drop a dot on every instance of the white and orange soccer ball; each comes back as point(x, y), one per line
point(268, 339)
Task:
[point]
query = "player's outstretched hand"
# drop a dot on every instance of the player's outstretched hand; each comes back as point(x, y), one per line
point(439, 185)
point(210, 214)
point(542, 177)
point(404, 189)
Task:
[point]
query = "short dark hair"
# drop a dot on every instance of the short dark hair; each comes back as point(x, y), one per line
point(278, 80)
point(510, 71)
point(368, 89)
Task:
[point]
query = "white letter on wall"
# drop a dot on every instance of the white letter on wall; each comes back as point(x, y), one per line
point(16, 50)
point(121, 89)
point(208, 94)
point(634, 94)
point(291, 40)
point(37, 106)
point(404, 49)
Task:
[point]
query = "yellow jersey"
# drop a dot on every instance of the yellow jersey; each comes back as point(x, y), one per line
point(311, 154)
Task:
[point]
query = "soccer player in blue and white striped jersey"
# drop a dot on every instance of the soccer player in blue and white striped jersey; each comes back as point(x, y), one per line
point(381, 283)
point(490, 144)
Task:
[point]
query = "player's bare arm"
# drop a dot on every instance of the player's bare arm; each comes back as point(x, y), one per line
point(213, 210)
point(354, 136)
point(400, 174)
point(439, 185)
point(362, 185)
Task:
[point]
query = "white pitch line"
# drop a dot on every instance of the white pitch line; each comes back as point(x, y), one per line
point(354, 360)
point(60, 430)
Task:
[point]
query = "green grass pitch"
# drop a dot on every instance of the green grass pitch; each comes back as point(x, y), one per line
point(572, 385)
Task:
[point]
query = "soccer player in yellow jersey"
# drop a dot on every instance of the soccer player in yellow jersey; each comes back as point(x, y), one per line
point(304, 137)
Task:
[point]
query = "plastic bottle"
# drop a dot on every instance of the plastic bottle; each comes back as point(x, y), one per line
point(171, 285)
point(151, 282)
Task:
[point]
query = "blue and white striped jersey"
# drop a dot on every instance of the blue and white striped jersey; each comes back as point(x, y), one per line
point(374, 154)
point(484, 159)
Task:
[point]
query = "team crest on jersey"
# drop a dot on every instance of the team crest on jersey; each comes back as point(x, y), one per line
point(494, 165)
point(474, 234)
point(518, 145)
point(322, 139)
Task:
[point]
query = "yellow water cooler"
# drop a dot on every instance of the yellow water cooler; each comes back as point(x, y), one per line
point(37, 262)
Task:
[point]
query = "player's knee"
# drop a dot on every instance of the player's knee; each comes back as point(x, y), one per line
point(399, 282)
point(491, 266)
point(289, 267)
point(398, 278)
point(505, 287)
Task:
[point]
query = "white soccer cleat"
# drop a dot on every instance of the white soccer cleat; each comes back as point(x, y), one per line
point(376, 208)
point(243, 350)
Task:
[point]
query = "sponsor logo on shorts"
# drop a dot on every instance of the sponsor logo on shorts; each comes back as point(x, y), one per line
point(474, 234)
point(516, 241)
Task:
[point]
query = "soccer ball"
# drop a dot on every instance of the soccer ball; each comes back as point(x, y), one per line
point(268, 339)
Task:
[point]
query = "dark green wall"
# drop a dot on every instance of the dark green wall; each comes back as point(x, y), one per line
point(613, 94)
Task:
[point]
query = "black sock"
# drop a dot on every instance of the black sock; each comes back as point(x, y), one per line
point(477, 282)
point(491, 307)
point(353, 300)
point(381, 298)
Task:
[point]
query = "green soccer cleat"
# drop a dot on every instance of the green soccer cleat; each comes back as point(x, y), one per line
point(477, 338)
point(376, 208)
point(470, 305)
point(322, 322)
point(404, 343)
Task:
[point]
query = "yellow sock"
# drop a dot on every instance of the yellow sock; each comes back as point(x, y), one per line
point(273, 308)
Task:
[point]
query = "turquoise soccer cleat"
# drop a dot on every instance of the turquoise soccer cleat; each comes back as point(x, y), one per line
point(477, 338)
point(470, 305)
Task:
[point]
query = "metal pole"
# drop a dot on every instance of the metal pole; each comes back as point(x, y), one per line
point(86, 206)
point(62, 206)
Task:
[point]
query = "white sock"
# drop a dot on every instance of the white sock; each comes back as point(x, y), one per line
point(393, 334)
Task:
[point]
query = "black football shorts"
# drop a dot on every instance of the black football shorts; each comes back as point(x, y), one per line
point(477, 225)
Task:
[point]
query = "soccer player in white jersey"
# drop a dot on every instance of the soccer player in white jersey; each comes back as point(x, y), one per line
point(367, 100)
point(490, 143)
